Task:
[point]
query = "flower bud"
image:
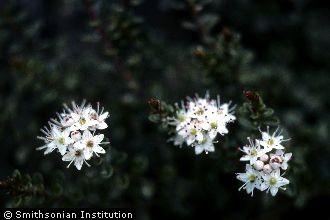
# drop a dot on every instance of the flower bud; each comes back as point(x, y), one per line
point(264, 157)
point(267, 168)
point(258, 165)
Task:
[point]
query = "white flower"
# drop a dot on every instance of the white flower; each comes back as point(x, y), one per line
point(215, 124)
point(90, 144)
point(82, 120)
point(273, 181)
point(76, 156)
point(204, 145)
point(191, 133)
point(199, 118)
point(252, 151)
point(98, 117)
point(282, 157)
point(275, 161)
point(198, 109)
point(266, 159)
point(273, 141)
point(71, 133)
point(251, 179)
point(56, 139)
point(224, 112)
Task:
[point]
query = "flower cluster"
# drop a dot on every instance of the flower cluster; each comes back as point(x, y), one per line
point(198, 122)
point(73, 133)
point(266, 159)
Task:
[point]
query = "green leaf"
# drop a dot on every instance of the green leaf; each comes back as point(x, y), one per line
point(268, 112)
point(107, 172)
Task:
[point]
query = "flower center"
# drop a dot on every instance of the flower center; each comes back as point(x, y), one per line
point(214, 125)
point(181, 118)
point(204, 141)
point(270, 141)
point(200, 111)
point(61, 140)
point(272, 181)
point(82, 121)
point(252, 178)
point(77, 153)
point(276, 160)
point(89, 143)
point(253, 152)
point(193, 131)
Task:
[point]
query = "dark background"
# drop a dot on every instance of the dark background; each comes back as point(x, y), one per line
point(53, 52)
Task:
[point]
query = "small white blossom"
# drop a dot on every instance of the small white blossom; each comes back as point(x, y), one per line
point(266, 158)
point(191, 133)
point(76, 156)
point(82, 121)
point(90, 144)
point(56, 139)
point(273, 181)
point(275, 161)
point(206, 144)
point(71, 133)
point(214, 125)
point(251, 179)
point(198, 122)
point(253, 151)
point(283, 157)
point(272, 141)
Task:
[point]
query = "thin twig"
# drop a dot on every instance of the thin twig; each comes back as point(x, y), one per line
point(120, 67)
point(202, 30)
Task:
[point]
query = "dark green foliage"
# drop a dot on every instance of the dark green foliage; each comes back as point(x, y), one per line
point(257, 112)
point(269, 58)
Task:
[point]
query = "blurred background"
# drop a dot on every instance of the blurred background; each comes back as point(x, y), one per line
point(124, 52)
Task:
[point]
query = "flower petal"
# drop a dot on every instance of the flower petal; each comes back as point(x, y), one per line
point(103, 116)
point(88, 154)
point(273, 190)
point(78, 163)
point(98, 138)
point(98, 149)
point(199, 149)
point(68, 157)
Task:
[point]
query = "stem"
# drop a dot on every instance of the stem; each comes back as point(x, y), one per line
point(119, 66)
point(202, 31)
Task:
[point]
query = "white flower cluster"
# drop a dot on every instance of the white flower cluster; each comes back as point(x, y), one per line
point(266, 159)
point(73, 133)
point(199, 121)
